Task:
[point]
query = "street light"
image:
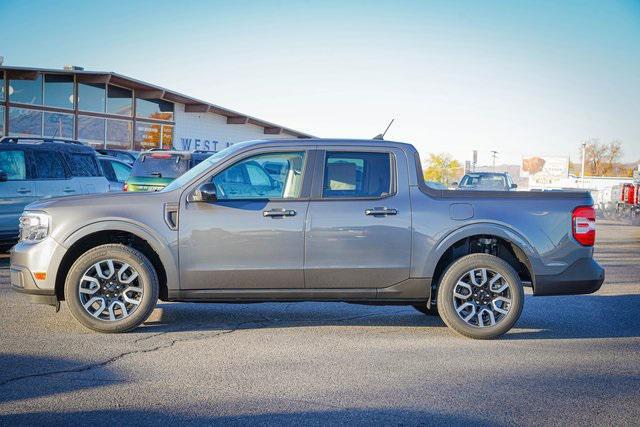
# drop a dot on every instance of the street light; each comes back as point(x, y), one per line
point(584, 149)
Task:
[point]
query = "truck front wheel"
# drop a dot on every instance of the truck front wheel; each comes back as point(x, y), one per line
point(111, 288)
point(480, 296)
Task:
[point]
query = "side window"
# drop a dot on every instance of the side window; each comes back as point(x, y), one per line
point(107, 168)
point(356, 174)
point(121, 171)
point(48, 165)
point(12, 163)
point(83, 165)
point(250, 179)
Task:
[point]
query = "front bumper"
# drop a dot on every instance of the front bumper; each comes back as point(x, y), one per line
point(584, 276)
point(29, 258)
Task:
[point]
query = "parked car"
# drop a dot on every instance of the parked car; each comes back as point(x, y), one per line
point(486, 181)
point(37, 168)
point(116, 172)
point(153, 170)
point(346, 221)
point(126, 156)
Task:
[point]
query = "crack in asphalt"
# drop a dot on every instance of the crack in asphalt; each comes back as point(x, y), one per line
point(200, 336)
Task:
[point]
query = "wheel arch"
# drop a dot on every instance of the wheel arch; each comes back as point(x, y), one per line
point(132, 235)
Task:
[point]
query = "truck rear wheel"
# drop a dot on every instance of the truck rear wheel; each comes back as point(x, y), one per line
point(480, 296)
point(111, 288)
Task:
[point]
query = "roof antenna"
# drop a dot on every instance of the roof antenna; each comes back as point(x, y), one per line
point(381, 136)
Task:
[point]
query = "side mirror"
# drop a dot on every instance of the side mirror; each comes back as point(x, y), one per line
point(3, 176)
point(206, 193)
point(514, 185)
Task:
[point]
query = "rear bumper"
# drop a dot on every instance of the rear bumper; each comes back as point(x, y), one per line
point(584, 276)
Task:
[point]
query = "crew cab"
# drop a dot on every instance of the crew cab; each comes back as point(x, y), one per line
point(308, 220)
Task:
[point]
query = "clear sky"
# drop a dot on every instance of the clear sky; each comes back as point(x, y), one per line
point(519, 77)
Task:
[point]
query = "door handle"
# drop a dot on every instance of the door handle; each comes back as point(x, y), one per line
point(381, 211)
point(69, 190)
point(279, 213)
point(24, 191)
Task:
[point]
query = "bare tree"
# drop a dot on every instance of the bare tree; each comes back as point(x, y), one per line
point(602, 159)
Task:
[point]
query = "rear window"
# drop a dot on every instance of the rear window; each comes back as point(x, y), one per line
point(12, 163)
point(356, 174)
point(48, 165)
point(160, 165)
point(488, 182)
point(83, 165)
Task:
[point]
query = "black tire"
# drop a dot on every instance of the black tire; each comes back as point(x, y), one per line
point(147, 280)
point(455, 272)
point(426, 308)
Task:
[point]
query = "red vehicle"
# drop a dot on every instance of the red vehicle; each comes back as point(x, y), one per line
point(628, 200)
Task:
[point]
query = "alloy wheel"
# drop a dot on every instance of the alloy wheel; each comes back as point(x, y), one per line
point(482, 297)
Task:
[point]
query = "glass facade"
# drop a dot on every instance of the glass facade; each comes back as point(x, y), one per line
point(2, 86)
point(25, 122)
point(119, 134)
point(58, 91)
point(91, 130)
point(154, 109)
point(91, 97)
point(26, 91)
point(58, 125)
point(119, 101)
point(147, 136)
point(167, 137)
point(1, 120)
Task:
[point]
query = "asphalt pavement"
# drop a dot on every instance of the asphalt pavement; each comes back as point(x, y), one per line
point(569, 360)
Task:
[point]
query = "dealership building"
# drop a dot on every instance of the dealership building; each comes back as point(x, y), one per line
point(106, 109)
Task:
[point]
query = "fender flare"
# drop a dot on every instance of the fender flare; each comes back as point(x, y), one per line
point(494, 229)
point(159, 245)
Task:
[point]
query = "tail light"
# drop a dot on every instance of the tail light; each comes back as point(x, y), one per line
point(125, 187)
point(583, 222)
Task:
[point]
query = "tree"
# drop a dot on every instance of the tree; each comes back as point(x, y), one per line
point(602, 159)
point(441, 168)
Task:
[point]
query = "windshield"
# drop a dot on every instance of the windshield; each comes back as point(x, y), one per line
point(160, 165)
point(203, 166)
point(484, 182)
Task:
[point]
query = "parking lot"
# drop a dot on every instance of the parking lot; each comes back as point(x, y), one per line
point(572, 359)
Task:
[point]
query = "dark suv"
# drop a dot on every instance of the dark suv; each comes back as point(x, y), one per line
point(37, 168)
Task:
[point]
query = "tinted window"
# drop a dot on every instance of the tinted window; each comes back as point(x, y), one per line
point(483, 182)
point(83, 165)
point(154, 109)
point(91, 130)
point(119, 133)
point(357, 174)
point(248, 179)
point(161, 165)
point(13, 164)
point(58, 125)
point(119, 101)
point(121, 171)
point(48, 165)
point(91, 97)
point(107, 169)
point(58, 91)
point(26, 91)
point(23, 122)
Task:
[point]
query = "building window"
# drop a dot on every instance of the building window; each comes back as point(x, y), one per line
point(91, 97)
point(154, 109)
point(119, 134)
point(119, 101)
point(147, 136)
point(1, 120)
point(91, 130)
point(24, 122)
point(26, 91)
point(2, 86)
point(58, 125)
point(167, 137)
point(58, 91)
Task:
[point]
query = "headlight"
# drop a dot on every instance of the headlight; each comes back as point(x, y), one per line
point(34, 226)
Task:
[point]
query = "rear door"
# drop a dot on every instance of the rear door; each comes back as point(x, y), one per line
point(358, 231)
point(15, 193)
point(51, 177)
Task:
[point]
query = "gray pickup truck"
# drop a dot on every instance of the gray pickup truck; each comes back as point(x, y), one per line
point(308, 220)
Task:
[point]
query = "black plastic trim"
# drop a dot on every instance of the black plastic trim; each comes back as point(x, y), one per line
point(584, 276)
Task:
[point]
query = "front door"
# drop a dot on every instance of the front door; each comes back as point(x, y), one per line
point(359, 220)
point(253, 236)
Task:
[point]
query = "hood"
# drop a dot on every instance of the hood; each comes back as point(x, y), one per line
point(109, 200)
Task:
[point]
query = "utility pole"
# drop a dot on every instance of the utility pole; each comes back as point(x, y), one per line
point(584, 149)
point(493, 155)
